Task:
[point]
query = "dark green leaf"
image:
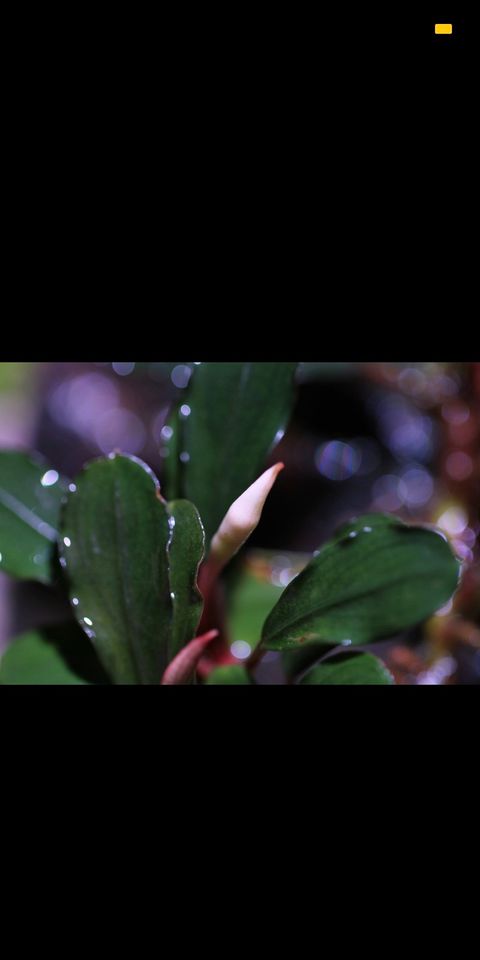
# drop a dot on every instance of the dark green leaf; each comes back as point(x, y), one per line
point(379, 576)
point(30, 498)
point(185, 553)
point(237, 412)
point(116, 533)
point(52, 655)
point(358, 668)
point(234, 675)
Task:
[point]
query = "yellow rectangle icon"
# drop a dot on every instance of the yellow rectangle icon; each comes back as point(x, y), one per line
point(443, 28)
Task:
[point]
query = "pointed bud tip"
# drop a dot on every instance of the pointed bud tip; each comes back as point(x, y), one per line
point(243, 516)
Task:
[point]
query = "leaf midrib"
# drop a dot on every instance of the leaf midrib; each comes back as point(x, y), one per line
point(123, 582)
point(234, 415)
point(22, 512)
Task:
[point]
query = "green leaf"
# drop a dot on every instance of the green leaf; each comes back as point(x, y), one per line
point(234, 675)
point(377, 577)
point(30, 499)
point(358, 668)
point(236, 414)
point(185, 554)
point(52, 655)
point(116, 534)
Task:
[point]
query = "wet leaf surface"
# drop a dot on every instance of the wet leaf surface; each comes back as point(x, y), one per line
point(31, 494)
point(185, 553)
point(115, 535)
point(234, 414)
point(377, 577)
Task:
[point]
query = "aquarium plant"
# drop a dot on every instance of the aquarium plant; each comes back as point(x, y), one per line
point(143, 565)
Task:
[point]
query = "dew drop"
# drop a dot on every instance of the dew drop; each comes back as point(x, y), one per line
point(67, 541)
point(49, 478)
point(75, 601)
point(282, 578)
point(88, 621)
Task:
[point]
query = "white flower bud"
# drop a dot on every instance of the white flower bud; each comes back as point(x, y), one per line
point(242, 518)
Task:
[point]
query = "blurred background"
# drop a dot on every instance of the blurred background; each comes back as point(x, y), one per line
point(401, 438)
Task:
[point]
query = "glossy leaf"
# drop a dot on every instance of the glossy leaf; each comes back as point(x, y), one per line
point(58, 655)
point(233, 676)
point(236, 414)
point(185, 553)
point(30, 500)
point(360, 669)
point(115, 537)
point(377, 577)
